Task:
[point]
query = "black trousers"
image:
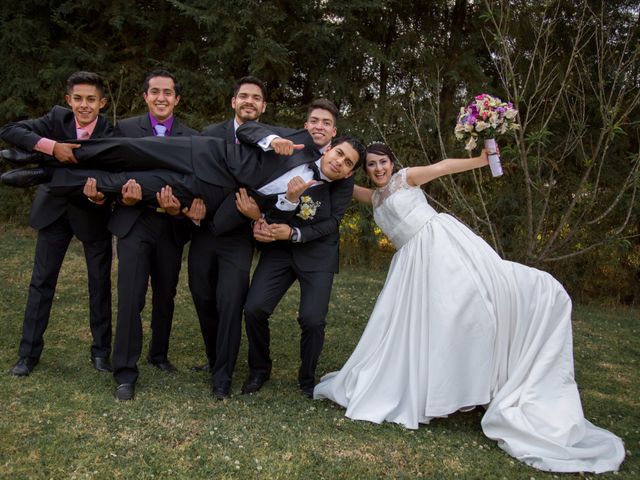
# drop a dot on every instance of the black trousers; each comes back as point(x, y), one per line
point(147, 251)
point(51, 246)
point(132, 154)
point(273, 276)
point(70, 181)
point(219, 280)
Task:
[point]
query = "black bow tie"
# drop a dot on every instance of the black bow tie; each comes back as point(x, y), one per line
point(316, 172)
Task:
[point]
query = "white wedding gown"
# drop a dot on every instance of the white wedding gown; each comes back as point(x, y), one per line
point(456, 326)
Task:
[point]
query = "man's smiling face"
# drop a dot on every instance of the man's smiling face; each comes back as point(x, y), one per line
point(161, 97)
point(339, 161)
point(248, 103)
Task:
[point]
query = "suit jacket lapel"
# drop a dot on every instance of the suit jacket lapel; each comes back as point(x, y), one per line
point(288, 163)
point(309, 154)
point(102, 127)
point(145, 126)
point(177, 129)
point(69, 128)
point(229, 132)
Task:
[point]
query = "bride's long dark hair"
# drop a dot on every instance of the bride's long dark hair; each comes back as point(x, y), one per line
point(380, 148)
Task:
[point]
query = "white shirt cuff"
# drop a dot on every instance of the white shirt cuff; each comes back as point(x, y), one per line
point(265, 143)
point(284, 204)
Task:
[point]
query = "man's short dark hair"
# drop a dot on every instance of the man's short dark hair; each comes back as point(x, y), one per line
point(355, 143)
point(253, 80)
point(324, 104)
point(85, 78)
point(161, 72)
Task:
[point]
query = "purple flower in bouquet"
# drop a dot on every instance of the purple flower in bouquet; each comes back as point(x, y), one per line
point(485, 118)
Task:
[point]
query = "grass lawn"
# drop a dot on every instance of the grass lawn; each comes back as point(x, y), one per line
point(62, 421)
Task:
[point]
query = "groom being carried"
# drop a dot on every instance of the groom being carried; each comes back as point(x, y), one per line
point(209, 168)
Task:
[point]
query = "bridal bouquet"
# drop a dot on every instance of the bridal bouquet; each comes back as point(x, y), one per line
point(484, 118)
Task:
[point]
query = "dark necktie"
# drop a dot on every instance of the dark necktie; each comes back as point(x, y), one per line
point(316, 172)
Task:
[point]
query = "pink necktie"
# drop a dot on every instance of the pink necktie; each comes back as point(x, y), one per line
point(82, 134)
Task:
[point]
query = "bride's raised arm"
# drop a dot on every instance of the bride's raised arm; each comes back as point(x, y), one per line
point(421, 175)
point(362, 194)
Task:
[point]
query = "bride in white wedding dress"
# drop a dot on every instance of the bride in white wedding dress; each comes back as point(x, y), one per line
point(456, 326)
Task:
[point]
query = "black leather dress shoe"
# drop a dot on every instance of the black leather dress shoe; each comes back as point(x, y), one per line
point(220, 392)
point(125, 391)
point(307, 392)
point(24, 366)
point(101, 364)
point(26, 177)
point(254, 383)
point(164, 365)
point(20, 158)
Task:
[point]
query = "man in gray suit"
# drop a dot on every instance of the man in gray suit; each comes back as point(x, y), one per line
point(150, 245)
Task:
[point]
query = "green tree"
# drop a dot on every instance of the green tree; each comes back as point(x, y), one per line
point(399, 71)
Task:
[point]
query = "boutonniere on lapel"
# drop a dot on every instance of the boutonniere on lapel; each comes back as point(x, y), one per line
point(308, 207)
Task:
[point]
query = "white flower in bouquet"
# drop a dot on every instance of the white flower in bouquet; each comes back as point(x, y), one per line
point(471, 143)
point(480, 126)
point(511, 113)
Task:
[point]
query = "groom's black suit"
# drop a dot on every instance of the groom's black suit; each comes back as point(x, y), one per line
point(204, 167)
point(57, 221)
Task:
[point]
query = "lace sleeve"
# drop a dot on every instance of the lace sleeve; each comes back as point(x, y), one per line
point(397, 182)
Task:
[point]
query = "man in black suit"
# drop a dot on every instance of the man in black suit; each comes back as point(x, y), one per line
point(150, 245)
point(59, 219)
point(219, 265)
